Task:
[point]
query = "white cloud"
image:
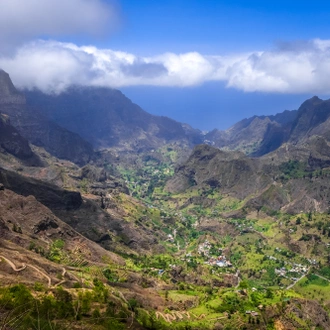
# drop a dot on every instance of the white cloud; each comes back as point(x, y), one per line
point(287, 71)
point(53, 66)
point(23, 20)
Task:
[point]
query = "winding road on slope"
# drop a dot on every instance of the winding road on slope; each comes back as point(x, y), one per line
point(42, 273)
point(12, 265)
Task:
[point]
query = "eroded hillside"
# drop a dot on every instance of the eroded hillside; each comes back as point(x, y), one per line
point(145, 234)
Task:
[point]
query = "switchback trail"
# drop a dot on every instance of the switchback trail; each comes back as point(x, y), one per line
point(12, 265)
point(24, 266)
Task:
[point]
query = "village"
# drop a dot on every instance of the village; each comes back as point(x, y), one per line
point(220, 261)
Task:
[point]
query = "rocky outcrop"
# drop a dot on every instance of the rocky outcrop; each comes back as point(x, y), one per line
point(29, 224)
point(39, 130)
point(228, 172)
point(84, 215)
point(42, 132)
point(8, 92)
point(256, 135)
point(93, 173)
point(49, 195)
point(13, 143)
point(260, 135)
point(300, 314)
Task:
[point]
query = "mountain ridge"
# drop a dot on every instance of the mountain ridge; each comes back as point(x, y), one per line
point(37, 128)
point(107, 118)
point(214, 240)
point(259, 135)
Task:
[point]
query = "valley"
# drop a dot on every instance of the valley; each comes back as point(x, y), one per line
point(112, 218)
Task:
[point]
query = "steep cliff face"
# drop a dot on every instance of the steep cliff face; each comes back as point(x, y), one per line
point(13, 143)
point(34, 126)
point(48, 194)
point(8, 92)
point(259, 135)
point(106, 118)
point(312, 119)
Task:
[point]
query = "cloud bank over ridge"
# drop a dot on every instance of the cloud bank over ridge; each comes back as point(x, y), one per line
point(52, 66)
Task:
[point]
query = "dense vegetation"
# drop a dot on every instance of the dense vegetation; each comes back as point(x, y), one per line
point(243, 271)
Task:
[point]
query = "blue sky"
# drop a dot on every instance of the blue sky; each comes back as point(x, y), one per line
point(213, 26)
point(206, 63)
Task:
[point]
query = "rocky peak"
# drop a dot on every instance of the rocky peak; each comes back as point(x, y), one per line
point(310, 103)
point(8, 92)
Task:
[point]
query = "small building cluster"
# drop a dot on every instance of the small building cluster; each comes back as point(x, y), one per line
point(312, 261)
point(253, 313)
point(220, 261)
point(204, 248)
point(281, 272)
point(298, 268)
